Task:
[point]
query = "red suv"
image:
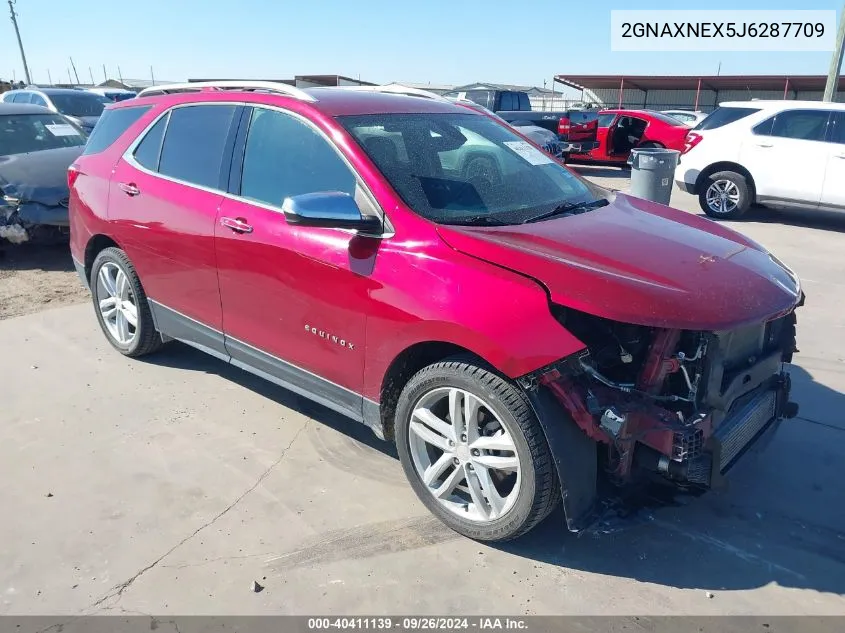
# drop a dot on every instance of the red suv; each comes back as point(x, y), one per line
point(520, 333)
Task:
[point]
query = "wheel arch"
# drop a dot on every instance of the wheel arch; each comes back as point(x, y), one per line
point(96, 244)
point(726, 166)
point(407, 363)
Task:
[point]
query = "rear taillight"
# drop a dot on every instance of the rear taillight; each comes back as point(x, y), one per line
point(691, 141)
point(72, 175)
point(563, 126)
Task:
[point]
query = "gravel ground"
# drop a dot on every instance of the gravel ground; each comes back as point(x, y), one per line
point(34, 278)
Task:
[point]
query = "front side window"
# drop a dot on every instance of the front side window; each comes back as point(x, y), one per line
point(456, 168)
point(79, 104)
point(805, 125)
point(194, 143)
point(285, 157)
point(25, 133)
point(37, 100)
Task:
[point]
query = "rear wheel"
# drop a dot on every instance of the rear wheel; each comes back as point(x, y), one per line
point(474, 452)
point(121, 304)
point(725, 195)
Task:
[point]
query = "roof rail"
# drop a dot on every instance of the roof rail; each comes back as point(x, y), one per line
point(259, 86)
point(397, 89)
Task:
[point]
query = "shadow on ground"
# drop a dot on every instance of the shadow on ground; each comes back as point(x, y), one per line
point(808, 218)
point(782, 520)
point(53, 257)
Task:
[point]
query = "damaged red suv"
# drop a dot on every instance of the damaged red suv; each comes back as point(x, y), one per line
point(520, 333)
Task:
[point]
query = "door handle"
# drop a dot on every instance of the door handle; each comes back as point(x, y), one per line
point(129, 188)
point(764, 144)
point(839, 155)
point(238, 225)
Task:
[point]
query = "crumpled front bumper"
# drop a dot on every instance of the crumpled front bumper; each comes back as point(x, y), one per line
point(34, 214)
point(19, 221)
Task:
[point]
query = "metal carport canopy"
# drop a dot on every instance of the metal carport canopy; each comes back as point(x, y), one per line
point(695, 82)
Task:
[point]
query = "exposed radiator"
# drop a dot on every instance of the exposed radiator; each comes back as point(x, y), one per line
point(743, 425)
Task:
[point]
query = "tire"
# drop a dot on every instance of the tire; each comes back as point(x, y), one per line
point(738, 195)
point(143, 339)
point(508, 420)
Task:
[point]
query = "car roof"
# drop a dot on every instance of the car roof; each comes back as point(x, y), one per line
point(23, 108)
point(777, 104)
point(332, 101)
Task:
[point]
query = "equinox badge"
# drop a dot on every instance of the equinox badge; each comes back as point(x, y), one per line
point(330, 337)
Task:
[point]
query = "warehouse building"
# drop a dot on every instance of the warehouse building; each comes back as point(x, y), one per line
point(692, 92)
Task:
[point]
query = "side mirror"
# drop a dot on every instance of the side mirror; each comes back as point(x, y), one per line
point(329, 209)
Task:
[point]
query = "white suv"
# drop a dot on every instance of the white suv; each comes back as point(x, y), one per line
point(783, 152)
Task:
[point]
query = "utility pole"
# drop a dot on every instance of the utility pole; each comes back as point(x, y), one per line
point(152, 76)
point(49, 77)
point(74, 70)
point(92, 75)
point(835, 61)
point(105, 77)
point(120, 75)
point(20, 43)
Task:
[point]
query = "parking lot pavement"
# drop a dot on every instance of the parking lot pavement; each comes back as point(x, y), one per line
point(169, 485)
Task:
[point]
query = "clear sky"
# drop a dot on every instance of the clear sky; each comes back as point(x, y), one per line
point(437, 41)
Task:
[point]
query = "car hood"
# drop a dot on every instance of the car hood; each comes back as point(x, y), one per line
point(639, 262)
point(38, 176)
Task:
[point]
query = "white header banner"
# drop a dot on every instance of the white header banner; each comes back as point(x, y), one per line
point(704, 30)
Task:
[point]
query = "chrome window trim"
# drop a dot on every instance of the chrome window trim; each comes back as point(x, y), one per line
point(129, 157)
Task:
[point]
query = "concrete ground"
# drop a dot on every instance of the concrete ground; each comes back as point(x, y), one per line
point(169, 485)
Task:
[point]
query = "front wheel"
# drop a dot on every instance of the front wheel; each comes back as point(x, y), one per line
point(473, 451)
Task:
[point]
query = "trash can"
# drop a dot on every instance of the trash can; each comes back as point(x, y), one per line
point(652, 173)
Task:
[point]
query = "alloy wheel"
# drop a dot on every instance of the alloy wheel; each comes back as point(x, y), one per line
point(722, 196)
point(463, 454)
point(117, 303)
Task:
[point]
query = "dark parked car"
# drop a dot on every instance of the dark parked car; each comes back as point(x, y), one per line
point(80, 106)
point(521, 338)
point(36, 148)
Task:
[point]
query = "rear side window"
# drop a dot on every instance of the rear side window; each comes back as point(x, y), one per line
point(722, 116)
point(149, 150)
point(194, 143)
point(37, 100)
point(111, 126)
point(285, 157)
point(805, 125)
point(506, 101)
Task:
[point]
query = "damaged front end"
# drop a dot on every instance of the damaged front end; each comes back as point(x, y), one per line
point(23, 220)
point(680, 405)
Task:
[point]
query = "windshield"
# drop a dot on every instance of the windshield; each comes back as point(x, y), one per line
point(81, 104)
point(466, 168)
point(24, 133)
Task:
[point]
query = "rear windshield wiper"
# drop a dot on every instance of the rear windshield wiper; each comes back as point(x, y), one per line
point(568, 207)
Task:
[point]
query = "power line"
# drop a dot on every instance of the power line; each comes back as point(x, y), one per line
point(20, 44)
